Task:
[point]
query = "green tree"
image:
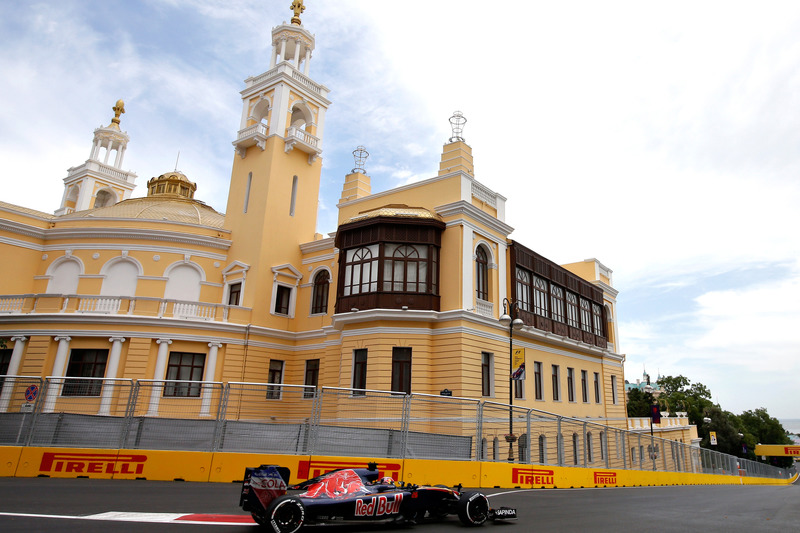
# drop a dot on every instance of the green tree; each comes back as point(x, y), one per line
point(760, 428)
point(639, 403)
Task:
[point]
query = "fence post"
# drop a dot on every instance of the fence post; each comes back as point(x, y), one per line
point(222, 411)
point(404, 425)
point(479, 433)
point(530, 437)
point(559, 442)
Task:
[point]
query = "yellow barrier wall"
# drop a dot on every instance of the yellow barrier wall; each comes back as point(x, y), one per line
point(778, 450)
point(9, 459)
point(229, 467)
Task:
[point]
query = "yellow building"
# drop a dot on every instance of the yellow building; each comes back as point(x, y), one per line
point(405, 296)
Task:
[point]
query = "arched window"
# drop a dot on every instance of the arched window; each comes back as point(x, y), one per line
point(576, 444)
point(481, 274)
point(522, 448)
point(64, 278)
point(524, 289)
point(293, 201)
point(319, 297)
point(121, 279)
point(542, 449)
point(496, 452)
point(104, 198)
point(602, 445)
point(589, 450)
point(405, 268)
point(361, 270)
point(183, 283)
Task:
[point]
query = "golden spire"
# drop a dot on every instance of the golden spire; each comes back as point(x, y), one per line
point(298, 7)
point(118, 110)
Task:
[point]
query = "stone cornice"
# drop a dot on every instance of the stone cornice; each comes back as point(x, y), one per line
point(465, 209)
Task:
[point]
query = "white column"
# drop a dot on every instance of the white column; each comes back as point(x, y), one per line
point(273, 56)
point(307, 61)
point(282, 53)
point(297, 54)
point(160, 373)
point(122, 155)
point(111, 374)
point(13, 369)
point(502, 272)
point(95, 149)
point(211, 366)
point(468, 268)
point(108, 152)
point(119, 157)
point(59, 368)
point(85, 196)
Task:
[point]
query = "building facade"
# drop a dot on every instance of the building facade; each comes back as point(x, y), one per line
point(405, 296)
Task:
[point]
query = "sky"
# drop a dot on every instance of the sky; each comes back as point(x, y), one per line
point(662, 139)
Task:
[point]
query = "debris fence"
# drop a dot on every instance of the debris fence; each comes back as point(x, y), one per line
point(296, 419)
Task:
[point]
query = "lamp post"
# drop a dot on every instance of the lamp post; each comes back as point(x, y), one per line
point(511, 320)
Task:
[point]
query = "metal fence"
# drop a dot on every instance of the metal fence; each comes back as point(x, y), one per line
point(296, 419)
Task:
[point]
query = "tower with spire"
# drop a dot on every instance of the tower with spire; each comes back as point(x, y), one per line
point(274, 188)
point(100, 181)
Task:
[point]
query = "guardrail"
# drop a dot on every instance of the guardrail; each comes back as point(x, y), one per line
point(296, 419)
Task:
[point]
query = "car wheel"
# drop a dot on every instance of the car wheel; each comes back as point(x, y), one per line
point(473, 508)
point(259, 518)
point(286, 514)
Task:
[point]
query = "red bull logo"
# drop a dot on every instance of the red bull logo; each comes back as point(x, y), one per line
point(92, 463)
point(791, 450)
point(379, 505)
point(605, 478)
point(309, 469)
point(532, 476)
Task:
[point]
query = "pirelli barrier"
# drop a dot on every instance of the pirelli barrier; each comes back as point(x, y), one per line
point(16, 461)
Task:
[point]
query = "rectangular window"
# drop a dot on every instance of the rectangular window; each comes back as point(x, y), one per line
point(571, 384)
point(585, 386)
point(596, 387)
point(401, 369)
point(85, 364)
point(572, 310)
point(486, 373)
point(359, 371)
point(614, 390)
point(540, 296)
point(275, 376)
point(519, 388)
point(283, 296)
point(557, 303)
point(5, 361)
point(184, 366)
point(537, 380)
point(234, 293)
point(556, 384)
point(312, 378)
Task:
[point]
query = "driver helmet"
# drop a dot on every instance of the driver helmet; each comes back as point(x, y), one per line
point(386, 480)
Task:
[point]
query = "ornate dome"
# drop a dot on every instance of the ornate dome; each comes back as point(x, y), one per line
point(395, 211)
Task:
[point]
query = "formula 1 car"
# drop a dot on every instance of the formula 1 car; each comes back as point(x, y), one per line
point(353, 495)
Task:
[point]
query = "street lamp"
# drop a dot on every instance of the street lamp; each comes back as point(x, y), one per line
point(510, 319)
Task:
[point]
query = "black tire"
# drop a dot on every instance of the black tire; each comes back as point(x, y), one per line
point(473, 508)
point(259, 518)
point(286, 514)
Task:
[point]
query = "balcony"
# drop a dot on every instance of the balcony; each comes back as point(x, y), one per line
point(303, 141)
point(76, 304)
point(255, 135)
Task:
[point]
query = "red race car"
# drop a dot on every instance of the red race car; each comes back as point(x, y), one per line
point(351, 495)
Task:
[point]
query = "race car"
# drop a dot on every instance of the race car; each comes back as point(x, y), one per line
point(353, 495)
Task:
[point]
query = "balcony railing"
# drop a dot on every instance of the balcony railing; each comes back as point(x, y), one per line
point(24, 304)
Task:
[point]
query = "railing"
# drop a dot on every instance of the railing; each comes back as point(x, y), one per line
point(122, 305)
point(484, 308)
point(277, 418)
point(284, 68)
point(253, 130)
point(303, 136)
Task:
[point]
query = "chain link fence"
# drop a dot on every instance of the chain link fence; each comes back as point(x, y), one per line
point(304, 420)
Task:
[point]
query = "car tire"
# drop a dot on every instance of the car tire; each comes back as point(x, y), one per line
point(473, 508)
point(286, 514)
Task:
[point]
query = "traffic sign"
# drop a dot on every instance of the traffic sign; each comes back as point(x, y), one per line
point(31, 393)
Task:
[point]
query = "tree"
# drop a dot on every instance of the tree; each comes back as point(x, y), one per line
point(639, 403)
point(760, 428)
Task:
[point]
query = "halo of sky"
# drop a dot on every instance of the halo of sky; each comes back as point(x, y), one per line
point(661, 139)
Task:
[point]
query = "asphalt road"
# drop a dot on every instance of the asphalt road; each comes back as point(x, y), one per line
point(42, 504)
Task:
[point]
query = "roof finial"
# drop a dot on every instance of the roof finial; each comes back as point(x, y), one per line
point(118, 110)
point(298, 7)
point(457, 122)
point(360, 155)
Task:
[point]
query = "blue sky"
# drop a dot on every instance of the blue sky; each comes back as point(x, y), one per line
point(661, 139)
